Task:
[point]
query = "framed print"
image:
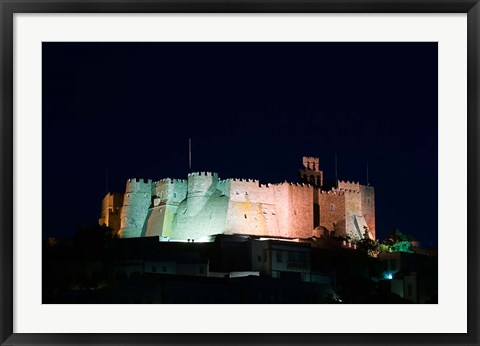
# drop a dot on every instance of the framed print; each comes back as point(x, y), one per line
point(239, 173)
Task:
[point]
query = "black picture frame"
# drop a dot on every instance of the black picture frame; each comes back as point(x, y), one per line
point(9, 7)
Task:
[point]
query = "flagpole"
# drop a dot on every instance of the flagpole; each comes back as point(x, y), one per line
point(368, 182)
point(189, 154)
point(336, 171)
point(106, 178)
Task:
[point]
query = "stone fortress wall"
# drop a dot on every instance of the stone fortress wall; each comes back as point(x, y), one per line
point(204, 205)
point(111, 208)
point(367, 194)
point(359, 208)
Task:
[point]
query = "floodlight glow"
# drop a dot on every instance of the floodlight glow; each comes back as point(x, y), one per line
point(205, 239)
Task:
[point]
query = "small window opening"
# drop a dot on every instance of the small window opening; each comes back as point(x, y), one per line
point(279, 256)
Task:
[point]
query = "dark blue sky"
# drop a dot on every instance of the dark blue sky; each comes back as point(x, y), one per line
point(252, 110)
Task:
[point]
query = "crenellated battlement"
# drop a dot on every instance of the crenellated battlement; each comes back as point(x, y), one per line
point(243, 180)
point(296, 184)
point(163, 180)
point(204, 174)
point(143, 181)
point(348, 182)
point(291, 183)
point(139, 185)
point(349, 185)
point(202, 184)
point(266, 186)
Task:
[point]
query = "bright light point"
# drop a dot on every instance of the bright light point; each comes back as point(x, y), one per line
point(206, 239)
point(389, 276)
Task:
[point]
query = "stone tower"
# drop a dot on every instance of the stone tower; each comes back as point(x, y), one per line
point(111, 207)
point(136, 202)
point(310, 172)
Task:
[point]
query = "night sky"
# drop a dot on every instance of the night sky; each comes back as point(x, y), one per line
point(252, 110)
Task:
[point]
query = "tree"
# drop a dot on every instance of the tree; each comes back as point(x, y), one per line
point(368, 244)
point(398, 242)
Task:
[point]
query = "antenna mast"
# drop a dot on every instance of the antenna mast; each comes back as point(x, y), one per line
point(106, 177)
point(336, 171)
point(368, 183)
point(189, 154)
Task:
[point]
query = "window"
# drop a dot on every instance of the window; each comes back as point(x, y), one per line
point(368, 200)
point(245, 215)
point(291, 256)
point(279, 256)
point(246, 193)
point(259, 257)
point(332, 207)
point(174, 195)
point(236, 192)
point(303, 258)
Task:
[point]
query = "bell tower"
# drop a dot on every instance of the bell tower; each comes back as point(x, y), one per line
point(310, 172)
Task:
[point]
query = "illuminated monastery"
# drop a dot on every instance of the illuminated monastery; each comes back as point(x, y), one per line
point(204, 205)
